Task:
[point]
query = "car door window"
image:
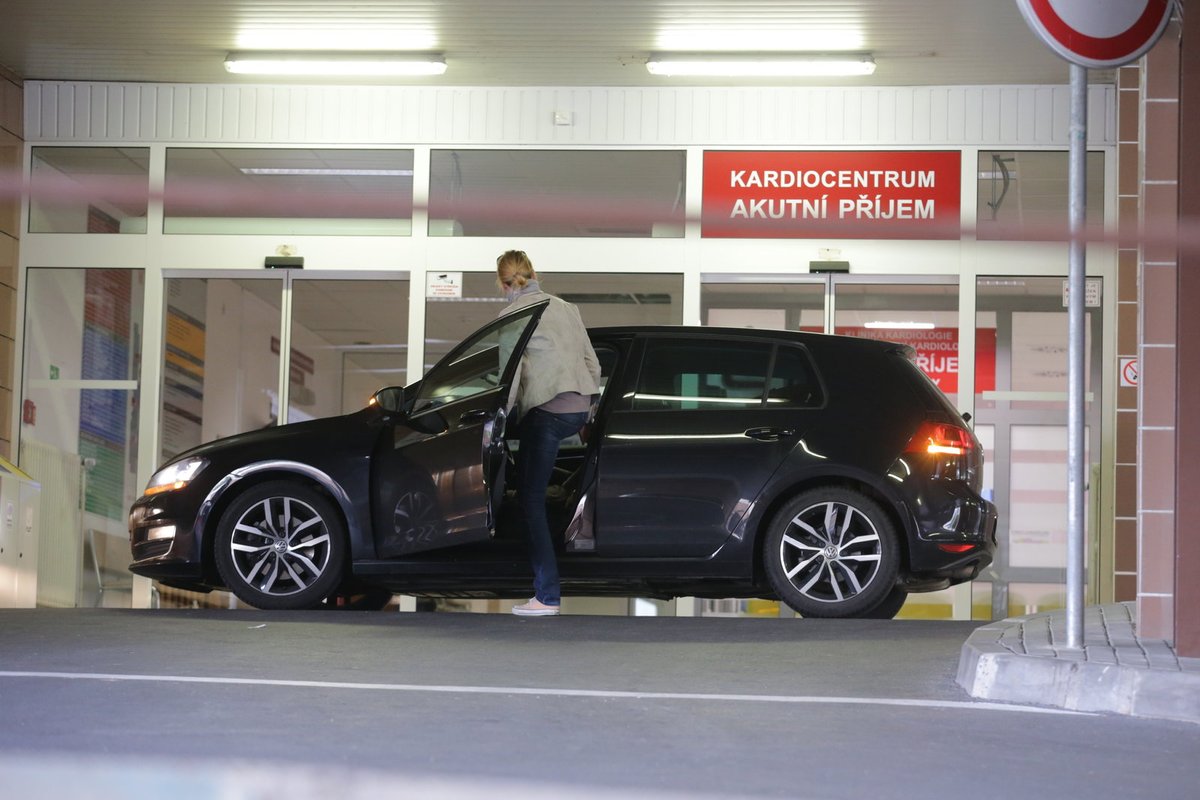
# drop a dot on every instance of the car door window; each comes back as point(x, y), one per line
point(481, 363)
point(682, 375)
point(793, 381)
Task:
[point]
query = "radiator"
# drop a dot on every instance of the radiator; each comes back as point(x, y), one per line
point(60, 535)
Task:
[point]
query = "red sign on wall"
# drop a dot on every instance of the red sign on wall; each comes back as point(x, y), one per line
point(877, 194)
point(937, 353)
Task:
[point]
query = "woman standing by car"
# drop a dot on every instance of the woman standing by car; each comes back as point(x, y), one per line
point(556, 382)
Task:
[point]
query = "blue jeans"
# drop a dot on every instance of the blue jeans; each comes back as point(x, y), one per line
point(541, 433)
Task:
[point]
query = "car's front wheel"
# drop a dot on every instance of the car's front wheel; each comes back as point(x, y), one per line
point(281, 545)
point(832, 552)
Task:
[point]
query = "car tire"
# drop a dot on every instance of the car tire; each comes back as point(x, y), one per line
point(832, 552)
point(281, 545)
point(890, 606)
point(360, 598)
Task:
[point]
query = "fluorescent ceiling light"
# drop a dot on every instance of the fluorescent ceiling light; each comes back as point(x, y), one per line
point(335, 64)
point(325, 171)
point(760, 66)
point(900, 325)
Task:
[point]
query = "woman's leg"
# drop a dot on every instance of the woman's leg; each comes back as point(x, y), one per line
point(541, 433)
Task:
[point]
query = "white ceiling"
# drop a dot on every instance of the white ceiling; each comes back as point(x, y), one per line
point(524, 42)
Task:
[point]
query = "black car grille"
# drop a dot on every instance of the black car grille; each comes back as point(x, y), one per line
point(151, 549)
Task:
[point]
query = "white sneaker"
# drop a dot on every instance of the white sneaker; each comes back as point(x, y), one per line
point(535, 608)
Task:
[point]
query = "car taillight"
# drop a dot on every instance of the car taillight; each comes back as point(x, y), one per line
point(948, 450)
point(940, 438)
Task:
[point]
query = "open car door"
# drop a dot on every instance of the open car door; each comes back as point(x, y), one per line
point(438, 473)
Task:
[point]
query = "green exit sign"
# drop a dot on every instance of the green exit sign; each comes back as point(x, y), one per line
point(53, 372)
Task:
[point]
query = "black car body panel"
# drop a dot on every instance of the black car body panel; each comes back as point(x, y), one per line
point(673, 492)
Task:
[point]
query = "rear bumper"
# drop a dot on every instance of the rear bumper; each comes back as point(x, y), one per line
point(956, 540)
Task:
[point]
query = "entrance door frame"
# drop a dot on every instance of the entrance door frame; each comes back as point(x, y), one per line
point(1101, 454)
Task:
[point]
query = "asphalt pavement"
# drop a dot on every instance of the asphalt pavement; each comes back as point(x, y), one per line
point(110, 703)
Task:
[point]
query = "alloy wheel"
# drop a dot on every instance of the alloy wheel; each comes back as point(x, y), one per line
point(280, 546)
point(830, 552)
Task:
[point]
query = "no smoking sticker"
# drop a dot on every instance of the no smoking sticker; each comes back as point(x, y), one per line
point(1129, 371)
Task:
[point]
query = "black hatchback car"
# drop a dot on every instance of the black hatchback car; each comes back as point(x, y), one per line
point(825, 471)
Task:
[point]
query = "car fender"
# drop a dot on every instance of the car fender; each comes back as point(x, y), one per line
point(785, 483)
point(353, 529)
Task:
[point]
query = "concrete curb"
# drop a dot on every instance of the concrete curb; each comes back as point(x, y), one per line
point(995, 664)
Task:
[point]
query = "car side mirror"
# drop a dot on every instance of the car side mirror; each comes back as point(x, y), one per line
point(389, 399)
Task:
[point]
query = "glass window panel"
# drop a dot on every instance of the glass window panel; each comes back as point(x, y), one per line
point(89, 189)
point(582, 193)
point(81, 363)
point(349, 339)
point(786, 306)
point(1037, 512)
point(1035, 598)
point(602, 299)
point(1024, 194)
point(288, 191)
point(1030, 317)
point(793, 381)
point(685, 376)
point(924, 316)
point(221, 361)
point(987, 440)
point(476, 367)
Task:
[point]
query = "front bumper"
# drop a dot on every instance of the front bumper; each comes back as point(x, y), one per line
point(164, 541)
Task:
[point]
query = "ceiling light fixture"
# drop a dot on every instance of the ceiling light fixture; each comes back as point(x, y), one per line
point(326, 171)
point(899, 325)
point(339, 65)
point(760, 65)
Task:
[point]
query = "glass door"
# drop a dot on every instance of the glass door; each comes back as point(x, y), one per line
point(1021, 418)
point(921, 311)
point(223, 364)
point(79, 428)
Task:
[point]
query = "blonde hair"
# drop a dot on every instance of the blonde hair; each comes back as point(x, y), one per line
point(513, 268)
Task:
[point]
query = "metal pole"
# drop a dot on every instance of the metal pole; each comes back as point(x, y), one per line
point(1077, 269)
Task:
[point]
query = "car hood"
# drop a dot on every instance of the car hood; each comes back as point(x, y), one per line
point(274, 435)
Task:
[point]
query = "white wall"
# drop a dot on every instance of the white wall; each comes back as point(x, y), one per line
point(780, 117)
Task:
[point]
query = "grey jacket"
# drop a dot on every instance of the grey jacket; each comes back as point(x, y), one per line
point(559, 357)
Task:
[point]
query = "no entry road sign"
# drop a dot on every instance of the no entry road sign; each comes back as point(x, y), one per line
point(1098, 33)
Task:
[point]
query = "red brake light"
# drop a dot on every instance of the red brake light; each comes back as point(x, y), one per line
point(956, 548)
point(940, 438)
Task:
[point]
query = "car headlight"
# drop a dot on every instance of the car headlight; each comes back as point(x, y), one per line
point(175, 476)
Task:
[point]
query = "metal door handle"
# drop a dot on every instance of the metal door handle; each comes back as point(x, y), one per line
point(473, 416)
point(770, 434)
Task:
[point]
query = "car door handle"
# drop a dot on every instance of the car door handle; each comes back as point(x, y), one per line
point(473, 416)
point(771, 434)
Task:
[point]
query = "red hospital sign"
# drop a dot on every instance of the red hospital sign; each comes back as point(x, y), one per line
point(875, 194)
point(937, 353)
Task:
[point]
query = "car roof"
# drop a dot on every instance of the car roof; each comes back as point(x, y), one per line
point(706, 331)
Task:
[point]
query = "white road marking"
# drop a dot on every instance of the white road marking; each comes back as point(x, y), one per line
point(546, 691)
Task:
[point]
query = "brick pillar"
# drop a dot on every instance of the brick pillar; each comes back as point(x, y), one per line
point(12, 131)
point(1129, 187)
point(1187, 361)
point(1157, 351)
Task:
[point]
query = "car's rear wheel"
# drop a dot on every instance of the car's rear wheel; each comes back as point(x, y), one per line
point(281, 545)
point(358, 598)
point(832, 552)
point(890, 606)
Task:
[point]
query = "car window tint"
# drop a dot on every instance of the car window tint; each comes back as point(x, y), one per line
point(475, 367)
point(793, 380)
point(607, 356)
point(686, 375)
